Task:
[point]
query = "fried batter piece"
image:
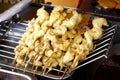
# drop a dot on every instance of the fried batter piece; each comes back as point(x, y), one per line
point(55, 40)
point(111, 4)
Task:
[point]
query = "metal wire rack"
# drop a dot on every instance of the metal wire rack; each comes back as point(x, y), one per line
point(11, 34)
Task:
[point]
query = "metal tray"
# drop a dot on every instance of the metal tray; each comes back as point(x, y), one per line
point(10, 75)
point(9, 39)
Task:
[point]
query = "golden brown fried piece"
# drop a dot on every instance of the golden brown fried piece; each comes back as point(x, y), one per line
point(117, 1)
point(118, 6)
point(107, 3)
point(111, 4)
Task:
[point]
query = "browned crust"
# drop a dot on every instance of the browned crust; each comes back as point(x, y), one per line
point(111, 4)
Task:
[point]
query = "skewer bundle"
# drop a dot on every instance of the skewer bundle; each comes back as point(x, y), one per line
point(57, 39)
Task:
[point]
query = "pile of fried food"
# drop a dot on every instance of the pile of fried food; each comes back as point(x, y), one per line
point(111, 4)
point(58, 39)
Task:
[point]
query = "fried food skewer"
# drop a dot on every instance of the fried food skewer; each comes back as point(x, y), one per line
point(58, 39)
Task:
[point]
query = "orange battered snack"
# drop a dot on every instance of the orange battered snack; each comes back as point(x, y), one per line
point(111, 4)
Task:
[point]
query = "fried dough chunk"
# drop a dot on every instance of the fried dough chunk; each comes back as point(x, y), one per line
point(111, 4)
